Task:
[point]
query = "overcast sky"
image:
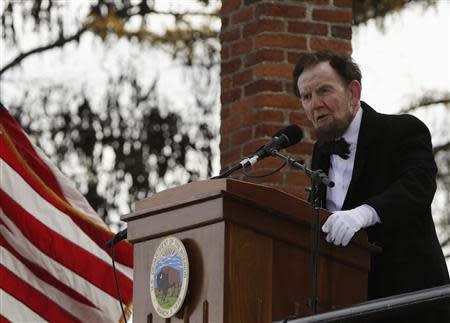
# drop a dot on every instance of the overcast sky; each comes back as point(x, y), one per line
point(410, 57)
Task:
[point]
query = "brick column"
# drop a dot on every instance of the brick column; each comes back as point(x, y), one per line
point(261, 42)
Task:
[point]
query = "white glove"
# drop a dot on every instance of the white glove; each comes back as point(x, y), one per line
point(342, 225)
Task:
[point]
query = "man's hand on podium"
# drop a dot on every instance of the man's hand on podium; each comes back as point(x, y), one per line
point(342, 225)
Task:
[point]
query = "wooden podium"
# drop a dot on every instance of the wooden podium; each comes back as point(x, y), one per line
point(249, 253)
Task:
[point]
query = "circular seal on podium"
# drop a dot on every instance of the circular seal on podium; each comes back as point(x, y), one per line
point(169, 277)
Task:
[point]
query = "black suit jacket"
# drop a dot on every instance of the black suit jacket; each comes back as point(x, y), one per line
point(394, 172)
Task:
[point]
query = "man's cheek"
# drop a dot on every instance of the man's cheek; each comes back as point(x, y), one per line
point(309, 116)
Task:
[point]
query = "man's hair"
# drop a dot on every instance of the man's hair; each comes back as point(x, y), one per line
point(344, 65)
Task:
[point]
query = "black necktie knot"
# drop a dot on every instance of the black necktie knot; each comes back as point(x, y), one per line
point(337, 147)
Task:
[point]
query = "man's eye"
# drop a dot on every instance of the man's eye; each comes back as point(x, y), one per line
point(306, 97)
point(324, 90)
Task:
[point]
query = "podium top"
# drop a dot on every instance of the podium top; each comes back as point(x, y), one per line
point(271, 197)
point(262, 195)
point(275, 201)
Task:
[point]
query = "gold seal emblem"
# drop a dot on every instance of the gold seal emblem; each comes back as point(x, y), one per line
point(169, 277)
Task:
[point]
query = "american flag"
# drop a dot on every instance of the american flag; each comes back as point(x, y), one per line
point(54, 266)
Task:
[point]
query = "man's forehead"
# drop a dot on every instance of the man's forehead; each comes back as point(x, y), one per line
point(316, 76)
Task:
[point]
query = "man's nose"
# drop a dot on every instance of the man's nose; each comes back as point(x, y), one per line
point(316, 101)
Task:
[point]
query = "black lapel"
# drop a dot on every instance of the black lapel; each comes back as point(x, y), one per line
point(367, 133)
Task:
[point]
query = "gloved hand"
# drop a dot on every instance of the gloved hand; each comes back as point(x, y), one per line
point(342, 225)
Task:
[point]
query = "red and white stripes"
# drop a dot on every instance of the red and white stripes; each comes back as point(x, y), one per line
point(53, 263)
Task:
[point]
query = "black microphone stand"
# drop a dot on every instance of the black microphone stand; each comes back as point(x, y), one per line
point(228, 172)
point(247, 162)
point(318, 178)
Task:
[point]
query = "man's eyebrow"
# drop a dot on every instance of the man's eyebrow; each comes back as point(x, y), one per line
point(325, 85)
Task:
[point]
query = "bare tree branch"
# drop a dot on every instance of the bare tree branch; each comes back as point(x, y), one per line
point(442, 147)
point(58, 43)
point(102, 26)
point(427, 100)
point(445, 242)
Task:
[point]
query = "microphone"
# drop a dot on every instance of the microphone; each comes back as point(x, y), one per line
point(282, 139)
point(117, 238)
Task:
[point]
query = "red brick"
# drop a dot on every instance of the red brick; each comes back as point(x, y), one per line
point(343, 3)
point(298, 117)
point(294, 56)
point(269, 164)
point(225, 111)
point(261, 169)
point(230, 96)
point(230, 35)
point(340, 46)
point(301, 27)
point(330, 15)
point(242, 78)
point(302, 149)
point(241, 106)
point(237, 138)
point(229, 6)
point(225, 52)
point(262, 26)
point(230, 157)
point(288, 85)
point(230, 67)
point(243, 15)
point(224, 143)
point(242, 47)
point(231, 124)
point(276, 100)
point(273, 70)
point(298, 178)
point(264, 55)
point(280, 10)
point(225, 84)
point(341, 32)
point(225, 22)
point(285, 30)
point(261, 116)
point(262, 86)
point(280, 41)
point(267, 129)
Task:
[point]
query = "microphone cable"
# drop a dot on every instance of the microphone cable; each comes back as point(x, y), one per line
point(264, 175)
point(117, 282)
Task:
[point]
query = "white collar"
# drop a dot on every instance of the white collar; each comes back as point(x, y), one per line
point(351, 134)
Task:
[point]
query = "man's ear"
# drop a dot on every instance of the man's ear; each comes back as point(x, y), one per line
point(355, 90)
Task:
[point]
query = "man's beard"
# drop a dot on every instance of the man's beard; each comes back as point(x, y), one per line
point(335, 129)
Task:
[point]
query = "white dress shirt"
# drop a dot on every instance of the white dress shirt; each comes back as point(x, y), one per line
point(341, 225)
point(341, 170)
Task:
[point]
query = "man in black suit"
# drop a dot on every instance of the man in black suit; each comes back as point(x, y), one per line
point(384, 171)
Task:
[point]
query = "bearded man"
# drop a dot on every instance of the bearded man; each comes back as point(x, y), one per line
point(385, 179)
